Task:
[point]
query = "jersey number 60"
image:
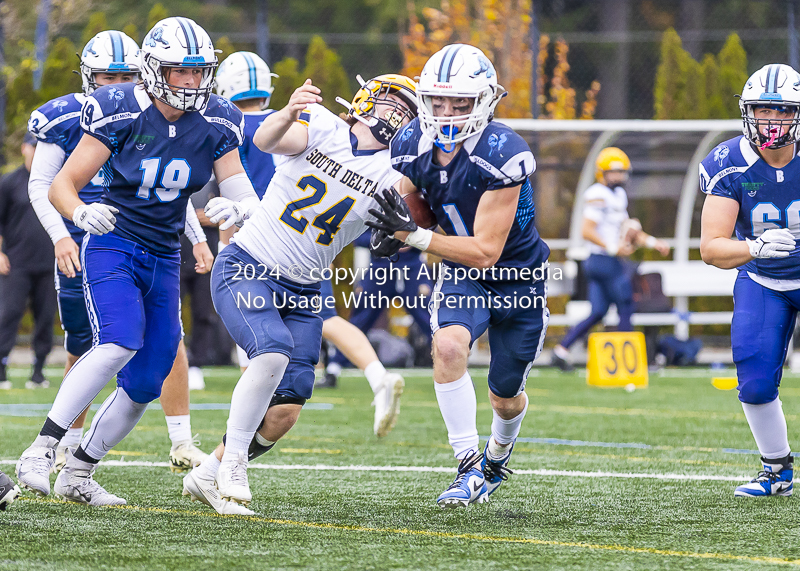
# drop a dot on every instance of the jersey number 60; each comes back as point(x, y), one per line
point(765, 214)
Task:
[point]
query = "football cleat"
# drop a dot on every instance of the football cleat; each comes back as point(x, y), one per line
point(76, 484)
point(205, 491)
point(387, 404)
point(61, 458)
point(34, 467)
point(495, 471)
point(185, 456)
point(469, 487)
point(774, 480)
point(8, 492)
point(232, 480)
point(6, 385)
point(561, 363)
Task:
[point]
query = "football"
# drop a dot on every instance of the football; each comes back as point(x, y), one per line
point(421, 211)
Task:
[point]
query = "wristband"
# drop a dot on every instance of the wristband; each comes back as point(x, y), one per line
point(420, 239)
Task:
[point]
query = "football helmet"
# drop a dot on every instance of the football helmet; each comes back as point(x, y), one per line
point(775, 85)
point(611, 159)
point(178, 42)
point(108, 52)
point(244, 75)
point(376, 90)
point(458, 70)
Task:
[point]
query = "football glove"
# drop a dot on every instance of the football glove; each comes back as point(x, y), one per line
point(382, 245)
point(394, 215)
point(95, 218)
point(773, 243)
point(231, 212)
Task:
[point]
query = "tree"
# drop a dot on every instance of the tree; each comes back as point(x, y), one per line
point(225, 47)
point(96, 24)
point(288, 80)
point(157, 13)
point(324, 68)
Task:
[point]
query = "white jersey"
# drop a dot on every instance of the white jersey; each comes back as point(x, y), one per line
point(317, 201)
point(608, 208)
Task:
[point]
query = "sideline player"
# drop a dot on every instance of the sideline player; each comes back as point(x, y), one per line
point(245, 79)
point(474, 172)
point(316, 204)
point(611, 235)
point(157, 143)
point(110, 57)
point(752, 187)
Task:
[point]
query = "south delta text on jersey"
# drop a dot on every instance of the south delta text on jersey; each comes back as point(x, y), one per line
point(58, 122)
point(497, 158)
point(767, 197)
point(155, 164)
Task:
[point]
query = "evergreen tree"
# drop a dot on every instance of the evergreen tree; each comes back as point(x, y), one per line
point(670, 79)
point(732, 74)
point(59, 78)
point(324, 68)
point(96, 24)
point(157, 13)
point(287, 81)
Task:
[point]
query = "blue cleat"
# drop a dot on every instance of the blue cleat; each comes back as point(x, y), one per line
point(495, 471)
point(774, 480)
point(469, 487)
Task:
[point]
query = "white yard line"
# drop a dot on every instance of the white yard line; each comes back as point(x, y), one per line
point(442, 470)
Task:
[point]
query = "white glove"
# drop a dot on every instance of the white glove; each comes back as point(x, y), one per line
point(95, 218)
point(232, 212)
point(773, 243)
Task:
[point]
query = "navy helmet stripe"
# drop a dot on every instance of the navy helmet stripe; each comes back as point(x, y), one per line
point(191, 39)
point(117, 50)
point(252, 67)
point(447, 62)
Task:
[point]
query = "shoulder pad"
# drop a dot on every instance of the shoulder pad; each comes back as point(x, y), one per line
point(503, 154)
point(54, 117)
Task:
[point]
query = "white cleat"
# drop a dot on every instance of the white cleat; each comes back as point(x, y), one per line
point(75, 484)
point(8, 492)
point(387, 404)
point(197, 380)
point(34, 467)
point(232, 480)
point(205, 491)
point(185, 456)
point(61, 458)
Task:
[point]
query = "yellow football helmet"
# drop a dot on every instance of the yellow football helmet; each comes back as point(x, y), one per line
point(611, 159)
point(376, 90)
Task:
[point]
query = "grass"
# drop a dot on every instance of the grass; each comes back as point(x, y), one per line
point(570, 517)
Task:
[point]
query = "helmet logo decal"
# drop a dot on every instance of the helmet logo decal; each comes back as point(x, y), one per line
point(496, 143)
point(720, 153)
point(88, 49)
point(156, 38)
point(485, 67)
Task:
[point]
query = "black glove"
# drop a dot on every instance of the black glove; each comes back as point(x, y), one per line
point(396, 217)
point(382, 245)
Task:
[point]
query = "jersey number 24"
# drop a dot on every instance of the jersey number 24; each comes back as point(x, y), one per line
point(329, 221)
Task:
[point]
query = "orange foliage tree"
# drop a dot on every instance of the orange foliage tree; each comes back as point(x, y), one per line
point(501, 29)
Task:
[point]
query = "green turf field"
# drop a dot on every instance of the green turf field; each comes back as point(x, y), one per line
point(598, 486)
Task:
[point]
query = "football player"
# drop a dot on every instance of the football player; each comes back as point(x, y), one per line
point(752, 187)
point(110, 57)
point(157, 142)
point(265, 285)
point(611, 235)
point(474, 173)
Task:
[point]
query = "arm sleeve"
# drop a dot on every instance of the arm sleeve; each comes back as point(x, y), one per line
point(47, 161)
point(193, 229)
point(237, 188)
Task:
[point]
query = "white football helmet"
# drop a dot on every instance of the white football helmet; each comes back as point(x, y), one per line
point(108, 52)
point(458, 70)
point(178, 42)
point(778, 86)
point(244, 75)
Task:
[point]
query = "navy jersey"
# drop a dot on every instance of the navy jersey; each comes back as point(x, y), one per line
point(155, 165)
point(258, 165)
point(767, 197)
point(58, 122)
point(497, 158)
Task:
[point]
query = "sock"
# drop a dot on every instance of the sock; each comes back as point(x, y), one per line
point(263, 441)
point(374, 373)
point(113, 422)
point(72, 438)
point(561, 352)
point(207, 469)
point(51, 430)
point(768, 426)
point(250, 401)
point(180, 428)
point(258, 447)
point(85, 380)
point(504, 432)
point(82, 457)
point(458, 405)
